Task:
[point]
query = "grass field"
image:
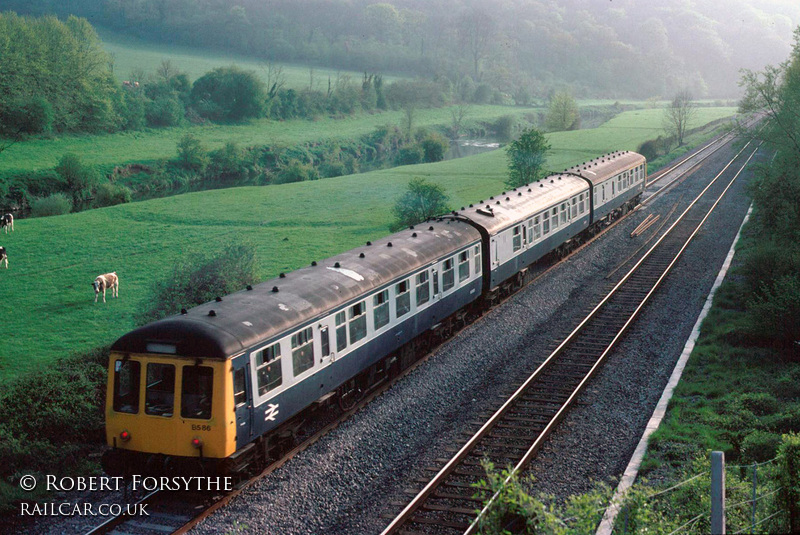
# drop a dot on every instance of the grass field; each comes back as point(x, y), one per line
point(131, 54)
point(149, 145)
point(47, 306)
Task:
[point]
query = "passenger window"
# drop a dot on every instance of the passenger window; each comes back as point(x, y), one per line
point(517, 239)
point(554, 220)
point(268, 369)
point(358, 322)
point(448, 275)
point(239, 388)
point(303, 350)
point(198, 389)
point(159, 397)
point(581, 204)
point(324, 340)
point(380, 309)
point(463, 266)
point(563, 213)
point(546, 223)
point(341, 331)
point(423, 288)
point(402, 298)
point(537, 231)
point(574, 208)
point(477, 255)
point(126, 386)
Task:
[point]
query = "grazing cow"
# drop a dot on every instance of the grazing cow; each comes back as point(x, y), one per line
point(3, 256)
point(103, 282)
point(6, 222)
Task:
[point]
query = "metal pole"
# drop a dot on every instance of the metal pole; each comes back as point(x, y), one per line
point(755, 482)
point(717, 493)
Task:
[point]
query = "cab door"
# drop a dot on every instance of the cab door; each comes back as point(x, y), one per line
point(242, 400)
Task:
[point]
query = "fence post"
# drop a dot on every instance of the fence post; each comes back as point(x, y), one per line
point(717, 493)
point(755, 484)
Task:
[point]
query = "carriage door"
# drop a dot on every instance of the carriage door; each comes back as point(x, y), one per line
point(242, 400)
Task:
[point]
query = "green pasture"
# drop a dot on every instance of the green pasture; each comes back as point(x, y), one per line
point(129, 54)
point(155, 144)
point(48, 305)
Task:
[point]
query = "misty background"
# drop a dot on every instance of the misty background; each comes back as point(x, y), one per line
point(599, 48)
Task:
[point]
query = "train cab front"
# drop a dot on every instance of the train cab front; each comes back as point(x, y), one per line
point(166, 415)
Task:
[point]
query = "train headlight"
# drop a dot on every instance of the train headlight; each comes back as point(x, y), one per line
point(197, 443)
point(125, 436)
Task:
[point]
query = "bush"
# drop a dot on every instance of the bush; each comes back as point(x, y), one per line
point(295, 171)
point(79, 178)
point(165, 111)
point(775, 314)
point(228, 164)
point(108, 194)
point(192, 154)
point(434, 147)
point(201, 279)
point(55, 204)
point(26, 116)
point(504, 127)
point(229, 94)
point(410, 155)
point(760, 446)
point(483, 93)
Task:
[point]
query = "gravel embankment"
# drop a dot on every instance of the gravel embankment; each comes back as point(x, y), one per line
point(342, 484)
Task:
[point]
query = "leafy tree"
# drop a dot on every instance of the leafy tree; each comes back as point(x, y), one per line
point(55, 204)
point(421, 201)
point(504, 127)
point(229, 94)
point(563, 114)
point(526, 157)
point(79, 178)
point(192, 154)
point(678, 114)
point(434, 146)
point(108, 194)
point(31, 115)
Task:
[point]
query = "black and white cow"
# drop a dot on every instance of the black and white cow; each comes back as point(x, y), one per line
point(103, 282)
point(6, 222)
point(3, 256)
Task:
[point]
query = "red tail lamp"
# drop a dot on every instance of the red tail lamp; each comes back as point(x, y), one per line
point(197, 443)
point(125, 436)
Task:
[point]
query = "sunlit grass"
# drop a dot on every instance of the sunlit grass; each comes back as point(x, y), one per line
point(48, 304)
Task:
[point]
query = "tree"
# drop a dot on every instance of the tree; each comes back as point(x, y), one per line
point(458, 114)
point(476, 31)
point(229, 94)
point(563, 114)
point(421, 201)
point(678, 114)
point(78, 178)
point(526, 156)
point(192, 154)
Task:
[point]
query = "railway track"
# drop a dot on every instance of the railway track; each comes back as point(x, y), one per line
point(514, 432)
point(178, 513)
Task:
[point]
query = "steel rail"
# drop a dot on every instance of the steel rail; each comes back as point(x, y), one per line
point(451, 465)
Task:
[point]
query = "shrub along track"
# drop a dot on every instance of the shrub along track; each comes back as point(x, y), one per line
point(178, 512)
point(514, 433)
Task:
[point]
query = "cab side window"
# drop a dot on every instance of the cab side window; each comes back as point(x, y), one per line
point(197, 392)
point(127, 374)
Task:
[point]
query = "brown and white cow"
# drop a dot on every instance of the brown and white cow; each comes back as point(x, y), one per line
point(3, 256)
point(6, 222)
point(103, 282)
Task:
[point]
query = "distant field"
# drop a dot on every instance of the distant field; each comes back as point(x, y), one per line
point(47, 306)
point(130, 53)
point(126, 147)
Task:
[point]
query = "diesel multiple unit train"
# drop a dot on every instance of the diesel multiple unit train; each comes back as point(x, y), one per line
point(219, 388)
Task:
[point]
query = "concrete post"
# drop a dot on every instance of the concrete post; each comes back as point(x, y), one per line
point(717, 493)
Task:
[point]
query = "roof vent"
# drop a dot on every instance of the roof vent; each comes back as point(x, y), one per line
point(389, 244)
point(541, 185)
point(551, 181)
point(337, 264)
point(282, 275)
point(463, 208)
point(559, 178)
point(183, 311)
point(508, 198)
point(313, 262)
point(498, 202)
point(430, 228)
point(218, 299)
point(249, 287)
point(470, 206)
point(414, 235)
point(411, 227)
point(369, 243)
point(520, 194)
point(274, 289)
point(212, 313)
point(361, 255)
point(491, 198)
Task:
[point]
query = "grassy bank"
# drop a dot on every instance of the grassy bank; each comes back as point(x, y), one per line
point(48, 306)
point(148, 145)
